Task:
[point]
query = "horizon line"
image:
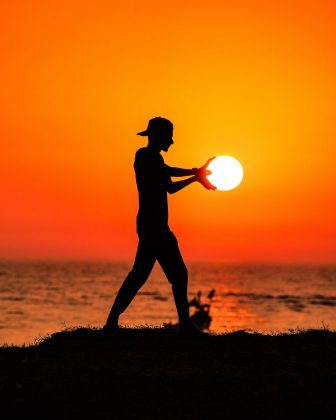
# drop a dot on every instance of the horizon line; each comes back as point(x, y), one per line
point(200, 261)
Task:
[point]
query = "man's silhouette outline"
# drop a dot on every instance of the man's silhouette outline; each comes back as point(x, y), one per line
point(156, 240)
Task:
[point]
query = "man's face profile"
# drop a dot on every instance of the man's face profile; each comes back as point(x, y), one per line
point(163, 140)
point(167, 140)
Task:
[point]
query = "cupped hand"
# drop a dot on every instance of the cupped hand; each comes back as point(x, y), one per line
point(202, 173)
point(203, 170)
point(206, 183)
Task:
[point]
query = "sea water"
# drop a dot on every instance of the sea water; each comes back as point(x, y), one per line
point(38, 298)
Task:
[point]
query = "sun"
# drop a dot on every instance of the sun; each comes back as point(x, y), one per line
point(226, 173)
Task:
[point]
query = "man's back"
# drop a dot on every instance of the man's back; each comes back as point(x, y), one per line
point(152, 181)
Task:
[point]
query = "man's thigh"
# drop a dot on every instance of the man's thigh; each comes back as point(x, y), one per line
point(144, 259)
point(170, 259)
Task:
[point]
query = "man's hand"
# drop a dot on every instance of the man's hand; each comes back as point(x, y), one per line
point(201, 175)
point(206, 183)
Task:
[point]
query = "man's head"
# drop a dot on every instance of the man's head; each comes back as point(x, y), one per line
point(159, 132)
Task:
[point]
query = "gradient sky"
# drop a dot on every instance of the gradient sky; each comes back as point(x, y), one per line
point(250, 79)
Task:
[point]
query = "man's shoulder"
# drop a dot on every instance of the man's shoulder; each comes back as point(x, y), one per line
point(145, 154)
point(142, 152)
point(142, 159)
point(141, 156)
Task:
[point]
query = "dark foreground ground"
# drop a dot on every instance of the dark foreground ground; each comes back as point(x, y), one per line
point(154, 375)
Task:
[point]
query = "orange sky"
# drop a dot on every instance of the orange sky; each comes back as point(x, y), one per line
point(251, 79)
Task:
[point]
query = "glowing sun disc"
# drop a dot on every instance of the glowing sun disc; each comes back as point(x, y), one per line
point(226, 173)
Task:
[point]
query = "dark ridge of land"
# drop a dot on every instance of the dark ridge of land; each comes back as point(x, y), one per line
point(151, 374)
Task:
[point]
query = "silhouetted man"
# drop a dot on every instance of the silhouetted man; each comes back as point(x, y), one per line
point(156, 240)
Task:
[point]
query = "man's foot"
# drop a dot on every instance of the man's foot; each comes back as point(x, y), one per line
point(190, 332)
point(109, 331)
point(114, 333)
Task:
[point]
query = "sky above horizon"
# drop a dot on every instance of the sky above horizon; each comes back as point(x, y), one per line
point(250, 79)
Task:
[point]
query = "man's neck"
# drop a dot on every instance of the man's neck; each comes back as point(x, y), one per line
point(153, 148)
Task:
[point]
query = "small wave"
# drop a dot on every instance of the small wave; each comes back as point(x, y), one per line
point(293, 302)
point(148, 293)
point(162, 298)
point(315, 299)
point(296, 307)
point(12, 298)
point(253, 296)
point(288, 297)
point(322, 297)
point(323, 302)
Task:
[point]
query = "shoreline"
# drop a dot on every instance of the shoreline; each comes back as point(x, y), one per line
point(153, 374)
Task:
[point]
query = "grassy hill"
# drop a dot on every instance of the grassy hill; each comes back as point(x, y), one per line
point(151, 374)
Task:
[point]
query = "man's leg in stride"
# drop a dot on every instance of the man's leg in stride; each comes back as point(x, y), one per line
point(171, 261)
point(144, 261)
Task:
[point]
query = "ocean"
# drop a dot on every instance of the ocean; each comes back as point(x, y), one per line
point(38, 298)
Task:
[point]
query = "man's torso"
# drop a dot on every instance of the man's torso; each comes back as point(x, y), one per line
point(152, 181)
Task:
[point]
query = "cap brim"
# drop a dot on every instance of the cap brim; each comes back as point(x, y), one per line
point(143, 133)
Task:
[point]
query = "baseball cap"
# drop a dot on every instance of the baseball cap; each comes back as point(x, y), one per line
point(156, 125)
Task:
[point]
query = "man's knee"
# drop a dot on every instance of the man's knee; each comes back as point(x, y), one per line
point(184, 274)
point(137, 277)
point(180, 277)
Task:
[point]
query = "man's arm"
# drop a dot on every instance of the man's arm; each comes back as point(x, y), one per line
point(199, 175)
point(173, 187)
point(180, 171)
point(186, 172)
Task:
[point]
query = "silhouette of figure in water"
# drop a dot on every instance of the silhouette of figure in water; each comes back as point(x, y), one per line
point(156, 240)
